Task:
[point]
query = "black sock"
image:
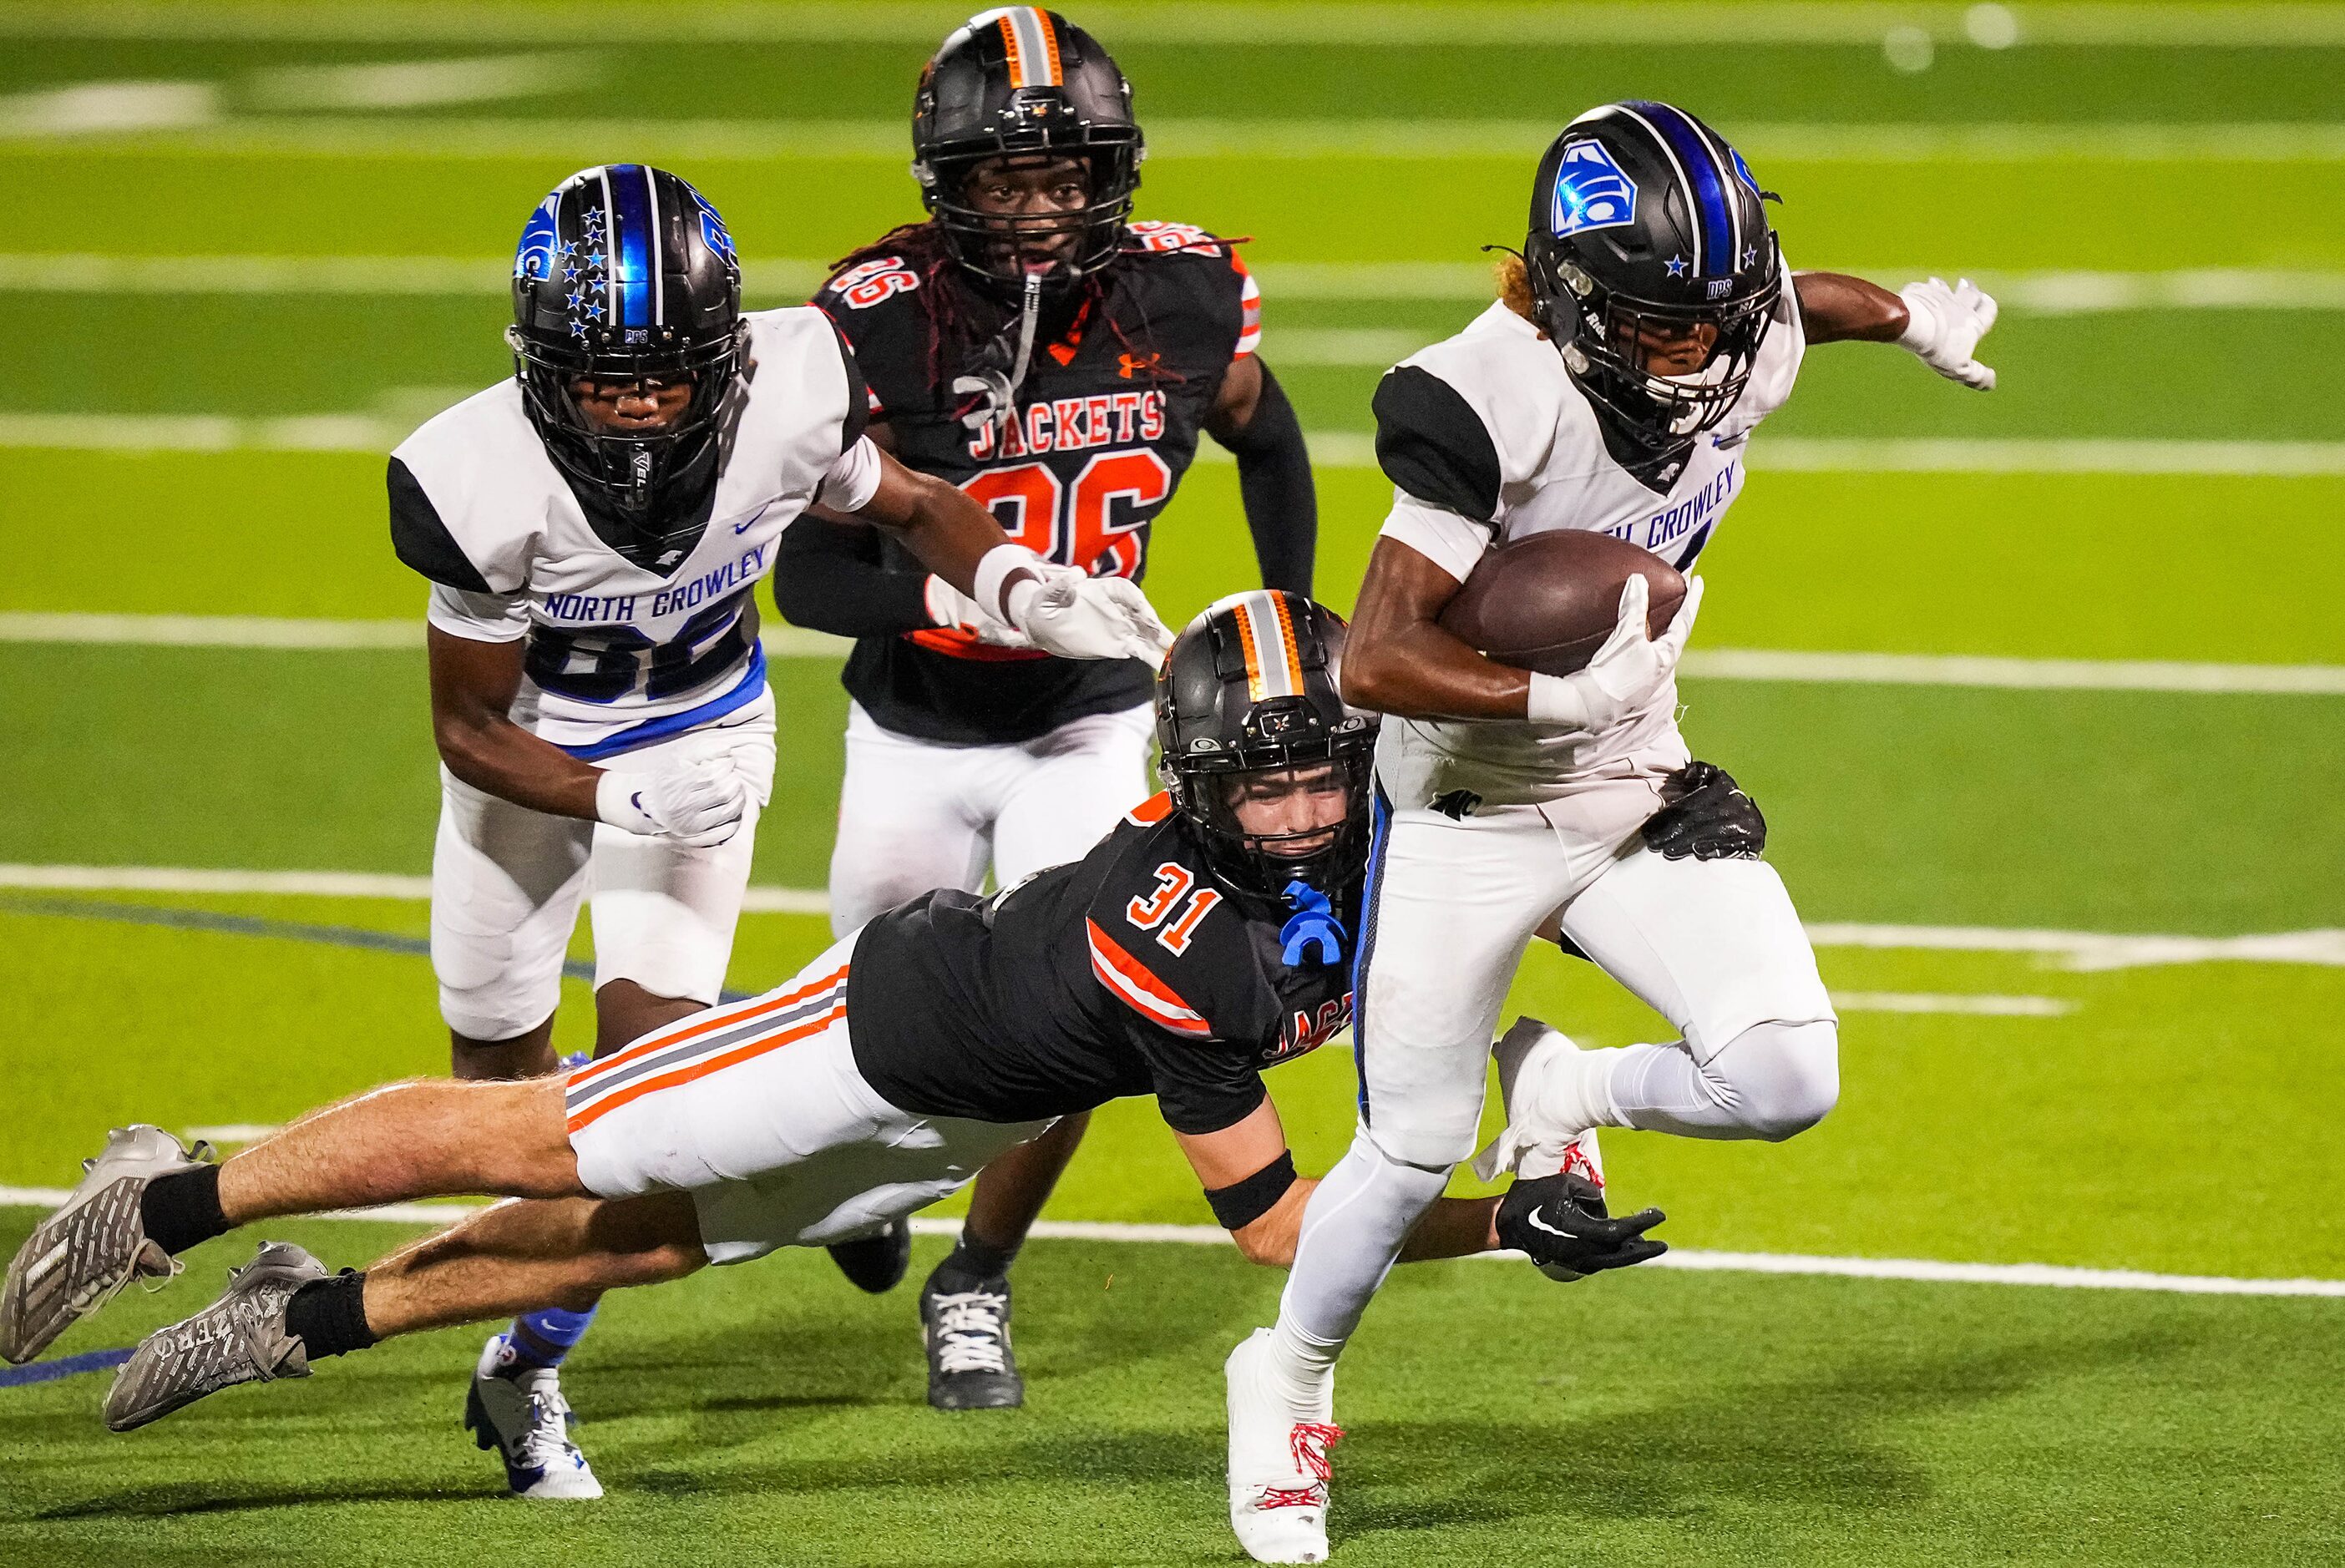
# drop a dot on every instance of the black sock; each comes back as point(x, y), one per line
point(182, 1208)
point(328, 1316)
point(972, 1263)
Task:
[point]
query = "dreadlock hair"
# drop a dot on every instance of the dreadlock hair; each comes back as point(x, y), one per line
point(962, 321)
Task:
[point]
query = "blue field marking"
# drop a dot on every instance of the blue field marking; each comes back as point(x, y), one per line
point(355, 936)
point(63, 1367)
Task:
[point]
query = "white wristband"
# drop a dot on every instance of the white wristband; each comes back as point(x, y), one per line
point(993, 569)
point(1557, 701)
point(1922, 324)
point(615, 803)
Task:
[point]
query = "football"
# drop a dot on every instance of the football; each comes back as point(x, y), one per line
point(1548, 603)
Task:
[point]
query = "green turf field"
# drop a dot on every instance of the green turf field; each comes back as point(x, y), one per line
point(2130, 1107)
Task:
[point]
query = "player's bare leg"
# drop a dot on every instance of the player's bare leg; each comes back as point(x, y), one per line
point(624, 1012)
point(527, 1055)
point(965, 1305)
point(283, 1312)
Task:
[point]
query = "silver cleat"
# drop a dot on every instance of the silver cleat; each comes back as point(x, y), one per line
point(81, 1256)
point(239, 1339)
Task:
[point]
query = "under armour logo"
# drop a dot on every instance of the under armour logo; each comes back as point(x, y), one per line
point(1457, 804)
point(1128, 364)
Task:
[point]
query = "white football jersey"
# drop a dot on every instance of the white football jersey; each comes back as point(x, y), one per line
point(622, 655)
point(1488, 439)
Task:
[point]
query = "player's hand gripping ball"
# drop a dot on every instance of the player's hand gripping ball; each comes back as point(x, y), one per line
point(1548, 603)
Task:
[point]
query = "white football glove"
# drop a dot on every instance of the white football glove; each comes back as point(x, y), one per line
point(1627, 672)
point(1080, 617)
point(949, 607)
point(699, 805)
point(1944, 327)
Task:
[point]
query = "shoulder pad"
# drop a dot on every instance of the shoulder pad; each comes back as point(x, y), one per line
point(806, 403)
point(1479, 409)
point(480, 473)
point(867, 284)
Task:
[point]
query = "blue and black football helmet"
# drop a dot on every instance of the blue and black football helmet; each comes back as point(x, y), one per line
point(1646, 225)
point(1020, 82)
point(1254, 685)
point(624, 273)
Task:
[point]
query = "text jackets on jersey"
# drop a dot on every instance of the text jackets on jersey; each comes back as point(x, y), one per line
point(620, 655)
point(1106, 422)
point(1487, 440)
point(1129, 972)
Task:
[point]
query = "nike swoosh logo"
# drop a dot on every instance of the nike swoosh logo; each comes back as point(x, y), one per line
point(744, 526)
point(1539, 1224)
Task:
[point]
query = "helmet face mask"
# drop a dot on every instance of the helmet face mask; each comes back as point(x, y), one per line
point(1264, 761)
point(625, 277)
point(1653, 269)
point(1024, 84)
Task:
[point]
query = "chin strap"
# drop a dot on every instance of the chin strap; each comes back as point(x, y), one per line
point(997, 391)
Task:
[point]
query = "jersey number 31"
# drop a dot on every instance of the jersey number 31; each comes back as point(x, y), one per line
point(1173, 883)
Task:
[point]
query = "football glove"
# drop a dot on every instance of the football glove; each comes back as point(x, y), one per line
point(949, 607)
point(1707, 815)
point(1625, 673)
point(1560, 1222)
point(699, 805)
point(1080, 617)
point(1943, 326)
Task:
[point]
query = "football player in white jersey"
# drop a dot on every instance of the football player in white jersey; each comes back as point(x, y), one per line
point(592, 529)
point(1651, 325)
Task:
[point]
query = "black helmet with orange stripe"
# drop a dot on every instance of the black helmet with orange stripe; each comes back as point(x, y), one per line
point(1024, 84)
point(1256, 740)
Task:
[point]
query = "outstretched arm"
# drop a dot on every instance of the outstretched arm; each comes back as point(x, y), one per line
point(1941, 325)
point(1249, 1180)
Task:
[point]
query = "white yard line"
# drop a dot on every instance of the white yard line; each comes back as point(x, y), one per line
point(1709, 664)
point(2027, 674)
point(1385, 25)
point(2051, 292)
point(2078, 950)
point(1922, 1269)
point(1930, 1002)
point(374, 435)
point(176, 119)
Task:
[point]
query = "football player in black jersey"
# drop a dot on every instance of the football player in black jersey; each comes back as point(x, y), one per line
point(1208, 936)
point(1031, 344)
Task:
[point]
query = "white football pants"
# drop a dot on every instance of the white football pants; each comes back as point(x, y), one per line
point(507, 881)
point(1714, 946)
point(917, 814)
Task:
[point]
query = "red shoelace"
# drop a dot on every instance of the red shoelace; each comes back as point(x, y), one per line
point(1310, 1441)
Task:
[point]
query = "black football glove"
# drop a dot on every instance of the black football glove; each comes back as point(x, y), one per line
point(1560, 1222)
point(1707, 815)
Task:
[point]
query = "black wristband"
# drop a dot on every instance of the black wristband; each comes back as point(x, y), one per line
point(1241, 1203)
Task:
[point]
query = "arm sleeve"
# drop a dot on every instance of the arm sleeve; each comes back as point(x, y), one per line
point(1274, 480)
point(1434, 446)
point(832, 577)
point(423, 541)
point(478, 617)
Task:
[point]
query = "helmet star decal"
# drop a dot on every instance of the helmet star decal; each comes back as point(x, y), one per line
point(1677, 264)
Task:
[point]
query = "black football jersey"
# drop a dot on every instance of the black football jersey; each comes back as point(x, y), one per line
point(1106, 421)
point(1128, 972)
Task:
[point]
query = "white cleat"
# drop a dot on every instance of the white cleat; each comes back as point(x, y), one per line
point(1279, 1468)
point(525, 1418)
point(1551, 1105)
